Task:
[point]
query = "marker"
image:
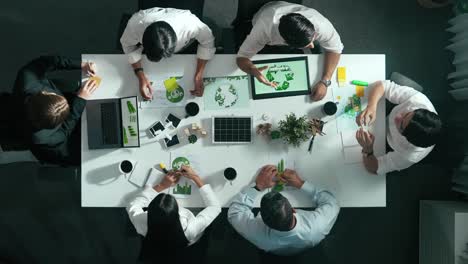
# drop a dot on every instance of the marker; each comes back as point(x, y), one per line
point(361, 83)
point(163, 168)
point(311, 144)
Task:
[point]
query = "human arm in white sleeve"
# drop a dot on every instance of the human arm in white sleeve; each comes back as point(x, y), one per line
point(206, 41)
point(392, 161)
point(254, 42)
point(397, 94)
point(135, 209)
point(326, 211)
point(130, 39)
point(207, 215)
point(242, 218)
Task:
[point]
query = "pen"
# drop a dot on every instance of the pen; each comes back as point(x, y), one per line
point(311, 143)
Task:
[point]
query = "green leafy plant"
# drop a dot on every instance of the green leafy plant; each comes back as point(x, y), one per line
point(294, 130)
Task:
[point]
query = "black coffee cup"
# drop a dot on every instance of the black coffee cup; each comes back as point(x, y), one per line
point(329, 108)
point(126, 166)
point(192, 109)
point(230, 174)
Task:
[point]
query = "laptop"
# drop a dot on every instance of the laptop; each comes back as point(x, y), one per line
point(113, 123)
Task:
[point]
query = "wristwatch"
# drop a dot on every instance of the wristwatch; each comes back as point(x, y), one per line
point(137, 70)
point(367, 154)
point(326, 82)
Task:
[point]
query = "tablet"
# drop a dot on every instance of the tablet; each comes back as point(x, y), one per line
point(291, 76)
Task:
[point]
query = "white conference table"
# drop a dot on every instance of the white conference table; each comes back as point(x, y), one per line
point(103, 186)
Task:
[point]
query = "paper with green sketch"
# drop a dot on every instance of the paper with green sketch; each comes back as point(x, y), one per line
point(228, 92)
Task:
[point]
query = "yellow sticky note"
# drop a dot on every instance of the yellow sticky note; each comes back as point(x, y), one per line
point(171, 84)
point(341, 75)
point(96, 79)
point(360, 91)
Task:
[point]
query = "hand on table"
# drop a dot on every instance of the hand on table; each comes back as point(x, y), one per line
point(189, 173)
point(169, 179)
point(199, 87)
point(366, 117)
point(87, 89)
point(146, 90)
point(318, 92)
point(292, 178)
point(257, 72)
point(265, 177)
point(366, 140)
point(89, 68)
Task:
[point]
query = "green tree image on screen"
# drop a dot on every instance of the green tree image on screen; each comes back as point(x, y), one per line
point(132, 132)
point(179, 162)
point(125, 138)
point(186, 189)
point(353, 106)
point(279, 186)
point(131, 108)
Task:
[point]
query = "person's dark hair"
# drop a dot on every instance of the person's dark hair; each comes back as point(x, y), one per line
point(296, 30)
point(159, 41)
point(47, 111)
point(165, 235)
point(276, 211)
point(424, 128)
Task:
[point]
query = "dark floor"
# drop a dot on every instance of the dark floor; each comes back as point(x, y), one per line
point(41, 220)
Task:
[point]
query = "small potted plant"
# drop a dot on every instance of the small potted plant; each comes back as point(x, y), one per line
point(294, 130)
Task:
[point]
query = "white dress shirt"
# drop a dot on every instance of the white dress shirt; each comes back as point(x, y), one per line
point(265, 28)
point(404, 153)
point(193, 226)
point(186, 26)
point(311, 226)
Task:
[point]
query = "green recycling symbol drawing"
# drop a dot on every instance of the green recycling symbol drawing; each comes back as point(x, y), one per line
point(176, 95)
point(289, 76)
point(226, 95)
point(179, 162)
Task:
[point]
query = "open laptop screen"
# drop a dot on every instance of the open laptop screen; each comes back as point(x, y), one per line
point(130, 130)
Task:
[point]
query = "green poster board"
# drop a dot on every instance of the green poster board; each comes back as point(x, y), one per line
point(291, 76)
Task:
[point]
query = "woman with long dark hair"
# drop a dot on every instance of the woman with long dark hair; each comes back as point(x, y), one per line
point(168, 228)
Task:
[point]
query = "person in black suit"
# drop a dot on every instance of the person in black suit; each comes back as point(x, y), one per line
point(50, 117)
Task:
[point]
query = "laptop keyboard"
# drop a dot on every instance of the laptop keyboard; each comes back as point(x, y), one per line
point(109, 124)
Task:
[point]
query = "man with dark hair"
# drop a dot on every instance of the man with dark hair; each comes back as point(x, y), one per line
point(51, 117)
point(161, 32)
point(279, 228)
point(413, 128)
point(281, 23)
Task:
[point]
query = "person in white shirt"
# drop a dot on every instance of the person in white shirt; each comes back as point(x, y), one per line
point(413, 128)
point(162, 32)
point(167, 227)
point(283, 23)
point(279, 228)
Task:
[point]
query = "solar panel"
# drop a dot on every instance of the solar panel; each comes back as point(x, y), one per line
point(232, 130)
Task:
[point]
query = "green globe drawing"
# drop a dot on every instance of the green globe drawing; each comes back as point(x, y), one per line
point(179, 162)
point(176, 95)
point(226, 95)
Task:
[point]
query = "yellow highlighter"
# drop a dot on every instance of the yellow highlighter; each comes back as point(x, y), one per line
point(163, 168)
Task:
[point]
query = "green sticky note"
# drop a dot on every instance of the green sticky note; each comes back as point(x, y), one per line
point(171, 84)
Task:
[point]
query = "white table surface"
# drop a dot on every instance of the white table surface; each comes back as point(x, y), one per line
point(102, 186)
